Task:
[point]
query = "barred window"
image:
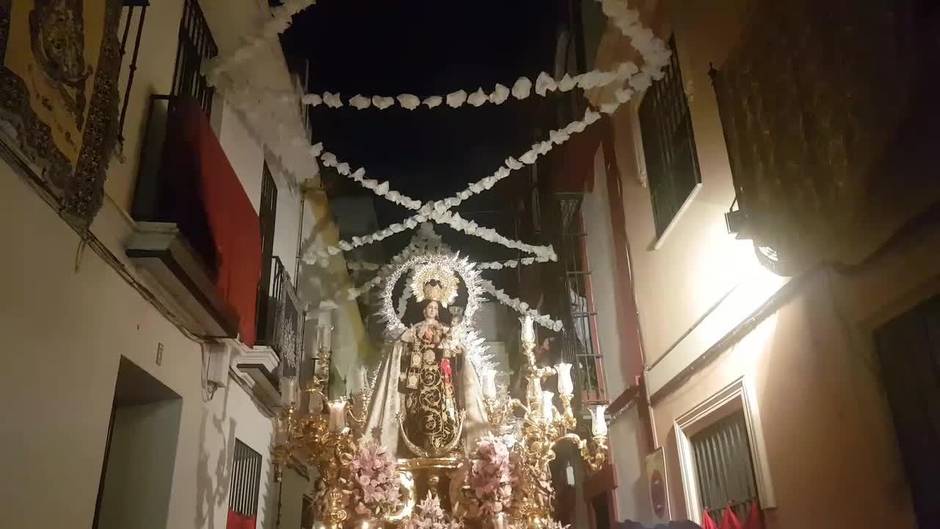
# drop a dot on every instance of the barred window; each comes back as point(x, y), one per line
point(195, 45)
point(246, 482)
point(723, 465)
point(668, 145)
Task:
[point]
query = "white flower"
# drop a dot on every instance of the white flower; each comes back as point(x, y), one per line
point(456, 99)
point(316, 149)
point(381, 102)
point(359, 102)
point(432, 101)
point(332, 100)
point(529, 157)
point(544, 83)
point(342, 168)
point(500, 94)
point(477, 98)
point(623, 95)
point(609, 108)
point(409, 101)
point(566, 84)
point(513, 164)
point(312, 100)
point(522, 88)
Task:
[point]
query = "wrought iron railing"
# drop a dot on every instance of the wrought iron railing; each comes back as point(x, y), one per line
point(280, 318)
point(133, 11)
point(580, 344)
point(195, 46)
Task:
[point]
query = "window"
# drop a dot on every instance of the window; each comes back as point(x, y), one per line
point(195, 45)
point(267, 214)
point(669, 145)
point(722, 457)
point(246, 483)
point(723, 465)
point(580, 344)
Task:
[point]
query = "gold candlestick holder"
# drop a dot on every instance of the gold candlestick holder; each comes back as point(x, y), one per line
point(544, 427)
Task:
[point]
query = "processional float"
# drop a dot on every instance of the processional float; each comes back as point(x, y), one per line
point(433, 442)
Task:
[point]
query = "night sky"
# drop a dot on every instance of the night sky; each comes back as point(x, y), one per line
point(424, 47)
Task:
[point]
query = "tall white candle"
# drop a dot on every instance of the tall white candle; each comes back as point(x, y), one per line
point(565, 385)
point(528, 329)
point(500, 522)
point(599, 420)
point(288, 391)
point(337, 415)
point(548, 407)
point(489, 383)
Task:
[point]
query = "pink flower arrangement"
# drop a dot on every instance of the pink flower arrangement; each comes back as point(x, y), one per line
point(491, 476)
point(375, 477)
point(430, 515)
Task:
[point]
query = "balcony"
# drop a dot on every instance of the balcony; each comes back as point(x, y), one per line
point(197, 234)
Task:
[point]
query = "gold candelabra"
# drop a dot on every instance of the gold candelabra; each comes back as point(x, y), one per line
point(543, 427)
point(322, 439)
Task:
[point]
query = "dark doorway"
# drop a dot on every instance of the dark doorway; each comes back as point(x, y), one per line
point(137, 474)
point(909, 349)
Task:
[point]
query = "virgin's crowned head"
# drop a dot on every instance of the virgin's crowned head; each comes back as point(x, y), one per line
point(433, 290)
point(431, 310)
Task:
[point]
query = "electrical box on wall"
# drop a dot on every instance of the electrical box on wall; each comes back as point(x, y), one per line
point(217, 363)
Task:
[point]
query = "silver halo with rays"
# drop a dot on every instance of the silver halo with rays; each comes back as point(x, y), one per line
point(462, 267)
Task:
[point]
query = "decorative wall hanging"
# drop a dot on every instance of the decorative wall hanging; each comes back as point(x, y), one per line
point(58, 94)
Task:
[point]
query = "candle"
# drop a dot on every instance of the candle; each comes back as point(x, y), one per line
point(288, 391)
point(598, 420)
point(489, 383)
point(534, 389)
point(500, 521)
point(565, 386)
point(528, 330)
point(548, 408)
point(363, 378)
point(337, 415)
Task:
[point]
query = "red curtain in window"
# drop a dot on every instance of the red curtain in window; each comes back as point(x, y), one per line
point(755, 519)
point(707, 522)
point(196, 156)
point(238, 521)
point(729, 520)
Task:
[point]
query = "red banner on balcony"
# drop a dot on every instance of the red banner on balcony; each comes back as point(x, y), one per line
point(196, 157)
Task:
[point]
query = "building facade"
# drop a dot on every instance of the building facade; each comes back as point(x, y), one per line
point(761, 363)
point(146, 346)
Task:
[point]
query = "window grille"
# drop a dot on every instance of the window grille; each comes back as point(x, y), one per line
point(246, 481)
point(723, 465)
point(195, 46)
point(668, 144)
point(580, 341)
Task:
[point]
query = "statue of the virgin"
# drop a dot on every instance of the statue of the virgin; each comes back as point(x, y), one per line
point(426, 398)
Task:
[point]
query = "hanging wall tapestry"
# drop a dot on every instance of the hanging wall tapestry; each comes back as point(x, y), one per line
point(58, 94)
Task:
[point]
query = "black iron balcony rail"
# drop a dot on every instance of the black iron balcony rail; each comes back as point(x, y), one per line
point(280, 317)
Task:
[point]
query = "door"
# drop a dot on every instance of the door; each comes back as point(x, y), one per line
point(909, 350)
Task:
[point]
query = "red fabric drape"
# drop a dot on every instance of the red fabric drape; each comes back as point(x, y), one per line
point(707, 522)
point(729, 520)
point(198, 160)
point(754, 520)
point(237, 521)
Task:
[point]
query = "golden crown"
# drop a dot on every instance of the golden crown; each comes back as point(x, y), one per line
point(435, 281)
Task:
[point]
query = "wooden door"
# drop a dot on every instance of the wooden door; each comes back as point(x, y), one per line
point(909, 349)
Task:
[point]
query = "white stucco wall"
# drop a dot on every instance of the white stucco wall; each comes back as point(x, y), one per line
point(66, 328)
